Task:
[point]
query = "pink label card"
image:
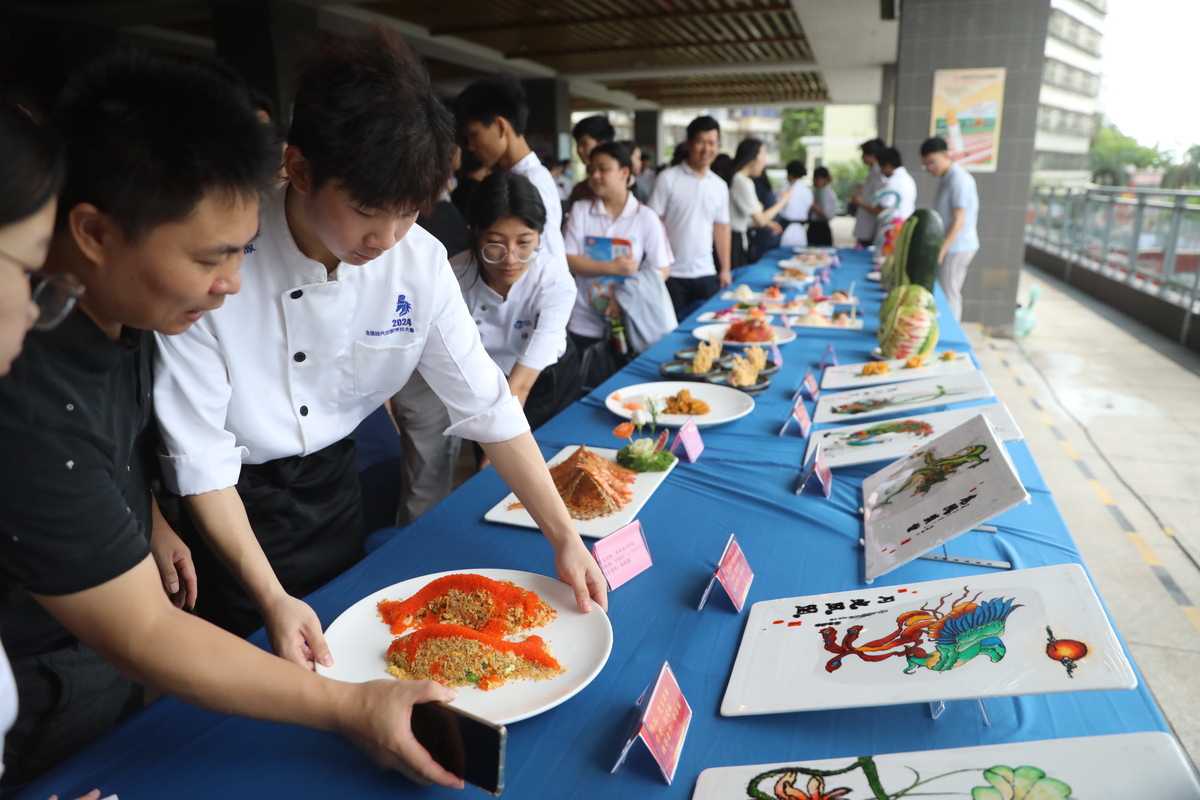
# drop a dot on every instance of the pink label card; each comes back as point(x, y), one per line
point(734, 573)
point(817, 466)
point(693, 445)
point(623, 555)
point(829, 358)
point(800, 414)
point(810, 385)
point(776, 356)
point(663, 723)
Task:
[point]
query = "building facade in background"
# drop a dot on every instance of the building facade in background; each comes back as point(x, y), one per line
point(1070, 97)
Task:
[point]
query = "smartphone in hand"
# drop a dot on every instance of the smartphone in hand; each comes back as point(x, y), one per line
point(466, 745)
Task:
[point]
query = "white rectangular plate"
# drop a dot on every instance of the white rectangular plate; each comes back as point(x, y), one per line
point(890, 439)
point(945, 488)
point(902, 398)
point(849, 376)
point(713, 316)
point(1134, 765)
point(644, 485)
point(784, 663)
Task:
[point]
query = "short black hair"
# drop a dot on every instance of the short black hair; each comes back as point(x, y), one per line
point(618, 151)
point(146, 137)
point(680, 154)
point(701, 124)
point(796, 168)
point(821, 172)
point(872, 147)
point(934, 144)
point(31, 168)
point(891, 157)
point(367, 114)
point(596, 126)
point(266, 105)
point(491, 97)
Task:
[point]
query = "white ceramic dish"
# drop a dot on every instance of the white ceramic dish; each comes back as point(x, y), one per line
point(725, 404)
point(713, 316)
point(902, 398)
point(580, 642)
point(1135, 765)
point(644, 486)
point(890, 439)
point(704, 332)
point(811, 663)
point(849, 376)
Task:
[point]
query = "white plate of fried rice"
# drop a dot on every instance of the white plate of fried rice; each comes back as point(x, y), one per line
point(359, 639)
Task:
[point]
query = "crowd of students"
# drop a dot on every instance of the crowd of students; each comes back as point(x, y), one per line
point(177, 465)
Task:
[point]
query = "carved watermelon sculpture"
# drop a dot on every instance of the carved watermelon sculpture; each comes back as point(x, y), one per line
point(910, 327)
point(915, 259)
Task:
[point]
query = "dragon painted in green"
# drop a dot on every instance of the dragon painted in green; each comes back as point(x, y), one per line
point(937, 470)
point(872, 434)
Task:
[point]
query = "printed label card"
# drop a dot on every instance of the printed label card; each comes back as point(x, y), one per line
point(800, 414)
point(817, 466)
point(809, 385)
point(734, 573)
point(662, 724)
point(693, 445)
point(776, 356)
point(829, 358)
point(623, 555)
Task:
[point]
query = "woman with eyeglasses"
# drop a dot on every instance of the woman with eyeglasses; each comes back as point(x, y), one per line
point(31, 174)
point(519, 301)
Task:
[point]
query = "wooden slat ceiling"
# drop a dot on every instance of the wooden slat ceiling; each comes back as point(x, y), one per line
point(728, 90)
point(594, 35)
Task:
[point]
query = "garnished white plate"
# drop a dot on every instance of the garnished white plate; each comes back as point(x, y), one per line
point(645, 485)
point(780, 335)
point(849, 376)
point(725, 404)
point(359, 640)
point(714, 316)
point(893, 399)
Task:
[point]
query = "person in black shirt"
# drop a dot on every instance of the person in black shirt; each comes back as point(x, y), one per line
point(166, 162)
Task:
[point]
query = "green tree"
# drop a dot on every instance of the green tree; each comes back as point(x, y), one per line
point(1185, 175)
point(1113, 154)
point(797, 123)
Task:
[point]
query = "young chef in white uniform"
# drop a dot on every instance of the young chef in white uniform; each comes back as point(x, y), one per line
point(342, 301)
point(613, 212)
point(519, 302)
point(799, 205)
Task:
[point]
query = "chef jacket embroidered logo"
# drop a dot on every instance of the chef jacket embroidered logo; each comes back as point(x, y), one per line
point(523, 323)
point(402, 323)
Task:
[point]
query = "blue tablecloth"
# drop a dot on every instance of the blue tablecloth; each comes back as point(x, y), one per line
point(744, 483)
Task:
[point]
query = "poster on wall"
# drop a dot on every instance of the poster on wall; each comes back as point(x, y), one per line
point(967, 106)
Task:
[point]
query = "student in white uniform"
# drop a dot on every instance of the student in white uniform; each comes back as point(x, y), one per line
point(866, 224)
point(520, 304)
point(745, 209)
point(899, 190)
point(693, 202)
point(614, 213)
point(342, 301)
point(798, 207)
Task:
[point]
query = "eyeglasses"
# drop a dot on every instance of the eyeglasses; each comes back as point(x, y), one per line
point(54, 295)
point(494, 253)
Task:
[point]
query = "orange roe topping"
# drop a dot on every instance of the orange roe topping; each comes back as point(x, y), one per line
point(503, 595)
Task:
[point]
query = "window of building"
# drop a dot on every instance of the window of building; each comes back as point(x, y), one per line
point(1066, 28)
point(1047, 160)
point(1061, 120)
point(1072, 79)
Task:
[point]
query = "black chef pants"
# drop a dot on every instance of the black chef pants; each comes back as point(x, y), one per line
point(306, 512)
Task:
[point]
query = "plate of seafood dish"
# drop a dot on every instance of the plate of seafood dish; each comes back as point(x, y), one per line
point(675, 402)
point(746, 332)
point(513, 644)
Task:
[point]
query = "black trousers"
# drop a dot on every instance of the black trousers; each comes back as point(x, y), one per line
point(556, 388)
point(66, 699)
point(686, 293)
point(739, 256)
point(819, 233)
point(306, 512)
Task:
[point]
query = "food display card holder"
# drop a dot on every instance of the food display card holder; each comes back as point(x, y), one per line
point(817, 466)
point(776, 356)
point(829, 358)
point(809, 384)
point(786, 321)
point(734, 573)
point(623, 555)
point(800, 414)
point(693, 445)
point(662, 723)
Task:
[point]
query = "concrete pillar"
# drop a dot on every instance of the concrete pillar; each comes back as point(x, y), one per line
point(263, 40)
point(885, 112)
point(956, 34)
point(649, 133)
point(549, 128)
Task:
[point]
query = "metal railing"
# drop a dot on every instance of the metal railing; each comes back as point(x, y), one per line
point(1147, 239)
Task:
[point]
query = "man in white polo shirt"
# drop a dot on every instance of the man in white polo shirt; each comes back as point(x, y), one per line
point(694, 205)
point(899, 191)
point(866, 224)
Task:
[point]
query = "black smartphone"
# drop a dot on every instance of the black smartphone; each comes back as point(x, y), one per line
point(468, 746)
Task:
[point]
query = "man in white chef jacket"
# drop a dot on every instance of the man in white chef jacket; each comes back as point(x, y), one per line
point(343, 299)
